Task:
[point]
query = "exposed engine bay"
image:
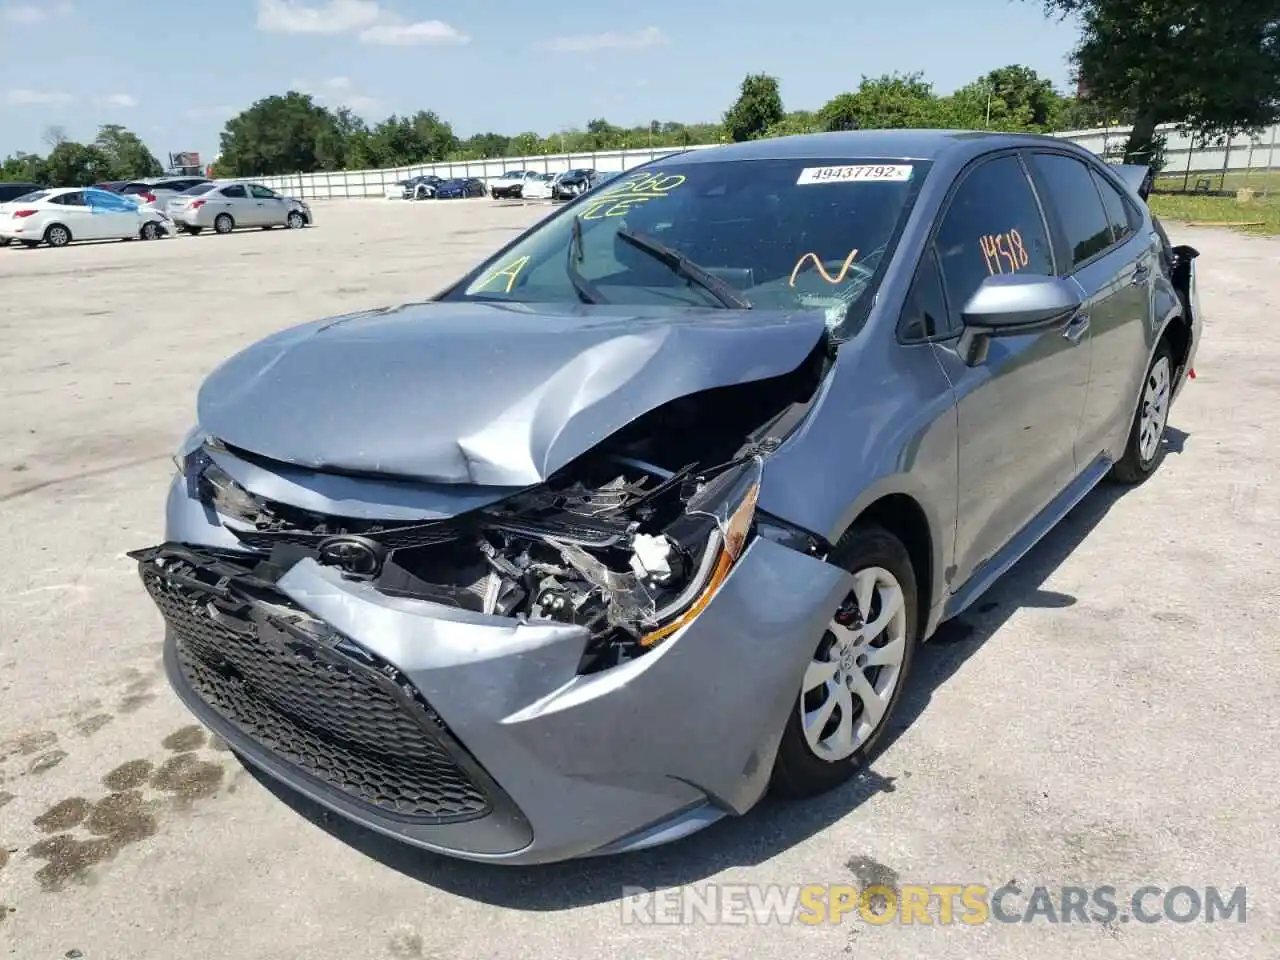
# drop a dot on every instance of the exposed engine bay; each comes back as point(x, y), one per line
point(630, 541)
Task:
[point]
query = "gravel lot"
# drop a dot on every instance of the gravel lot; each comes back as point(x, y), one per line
point(1110, 716)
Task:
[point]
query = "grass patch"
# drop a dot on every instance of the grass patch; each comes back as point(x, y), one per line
point(1262, 215)
point(1268, 180)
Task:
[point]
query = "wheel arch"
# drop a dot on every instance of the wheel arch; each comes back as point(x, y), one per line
point(904, 517)
point(1177, 331)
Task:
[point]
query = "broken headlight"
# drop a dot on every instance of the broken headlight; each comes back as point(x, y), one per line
point(714, 533)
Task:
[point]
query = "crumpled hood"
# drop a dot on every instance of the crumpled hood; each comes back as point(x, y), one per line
point(483, 393)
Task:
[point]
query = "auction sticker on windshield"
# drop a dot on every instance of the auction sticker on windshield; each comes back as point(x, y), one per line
point(896, 173)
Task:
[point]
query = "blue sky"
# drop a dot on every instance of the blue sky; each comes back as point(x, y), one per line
point(174, 71)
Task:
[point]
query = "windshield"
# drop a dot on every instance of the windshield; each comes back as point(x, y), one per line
point(783, 234)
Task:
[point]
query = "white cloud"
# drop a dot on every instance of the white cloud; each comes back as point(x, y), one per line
point(648, 37)
point(413, 34)
point(117, 100)
point(364, 18)
point(29, 13)
point(40, 98)
point(336, 16)
point(336, 92)
point(360, 104)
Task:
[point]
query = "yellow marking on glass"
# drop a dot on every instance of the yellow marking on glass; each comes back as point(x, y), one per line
point(511, 272)
point(813, 257)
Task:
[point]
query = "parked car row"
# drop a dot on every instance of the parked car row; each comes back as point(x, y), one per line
point(511, 185)
point(532, 185)
point(432, 187)
point(145, 210)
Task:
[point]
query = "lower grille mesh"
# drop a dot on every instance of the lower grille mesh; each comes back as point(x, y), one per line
point(341, 716)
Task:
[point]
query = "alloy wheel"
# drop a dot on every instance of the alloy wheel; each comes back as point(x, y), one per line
point(1155, 409)
point(58, 237)
point(851, 680)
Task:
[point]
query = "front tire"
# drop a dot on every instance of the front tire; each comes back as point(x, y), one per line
point(150, 231)
point(224, 223)
point(295, 221)
point(858, 671)
point(1145, 448)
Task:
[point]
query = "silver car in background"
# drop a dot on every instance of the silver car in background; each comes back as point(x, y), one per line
point(226, 205)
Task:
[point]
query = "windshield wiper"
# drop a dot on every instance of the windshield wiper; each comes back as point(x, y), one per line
point(587, 291)
point(684, 267)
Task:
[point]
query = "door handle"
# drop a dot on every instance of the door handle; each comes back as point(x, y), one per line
point(1076, 328)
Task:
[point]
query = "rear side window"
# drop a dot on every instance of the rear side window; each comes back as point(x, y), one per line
point(1123, 218)
point(993, 225)
point(235, 192)
point(1071, 190)
point(70, 199)
point(198, 189)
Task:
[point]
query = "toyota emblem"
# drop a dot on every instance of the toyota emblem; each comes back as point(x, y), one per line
point(354, 556)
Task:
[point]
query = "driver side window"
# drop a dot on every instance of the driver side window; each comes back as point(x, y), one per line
point(992, 226)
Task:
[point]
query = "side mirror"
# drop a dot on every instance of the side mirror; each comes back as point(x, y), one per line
point(1007, 305)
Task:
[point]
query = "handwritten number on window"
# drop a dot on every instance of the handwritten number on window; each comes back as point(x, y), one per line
point(1003, 252)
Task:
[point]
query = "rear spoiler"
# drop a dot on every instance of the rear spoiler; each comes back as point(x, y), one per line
point(1137, 177)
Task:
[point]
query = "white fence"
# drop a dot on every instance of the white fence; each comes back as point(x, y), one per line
point(1245, 154)
point(373, 183)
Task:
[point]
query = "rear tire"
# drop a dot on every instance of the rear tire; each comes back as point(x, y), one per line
point(1145, 449)
point(224, 223)
point(856, 677)
point(5, 241)
point(31, 244)
point(194, 231)
point(57, 235)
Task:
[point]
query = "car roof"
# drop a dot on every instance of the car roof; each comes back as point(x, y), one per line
point(866, 144)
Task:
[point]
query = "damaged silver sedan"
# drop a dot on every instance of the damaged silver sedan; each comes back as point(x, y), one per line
point(648, 513)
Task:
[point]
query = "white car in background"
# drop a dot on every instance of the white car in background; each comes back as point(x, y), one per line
point(510, 185)
point(539, 186)
point(64, 215)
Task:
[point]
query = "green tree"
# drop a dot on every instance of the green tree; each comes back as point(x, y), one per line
point(23, 167)
point(886, 102)
point(1024, 93)
point(1211, 67)
point(795, 122)
point(758, 107)
point(72, 164)
point(527, 144)
point(278, 134)
point(127, 156)
point(486, 145)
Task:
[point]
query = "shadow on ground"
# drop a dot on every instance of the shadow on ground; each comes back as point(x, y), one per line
point(771, 827)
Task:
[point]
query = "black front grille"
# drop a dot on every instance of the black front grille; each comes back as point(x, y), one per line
point(313, 698)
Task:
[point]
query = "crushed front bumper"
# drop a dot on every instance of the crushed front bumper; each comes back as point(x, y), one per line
point(474, 735)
